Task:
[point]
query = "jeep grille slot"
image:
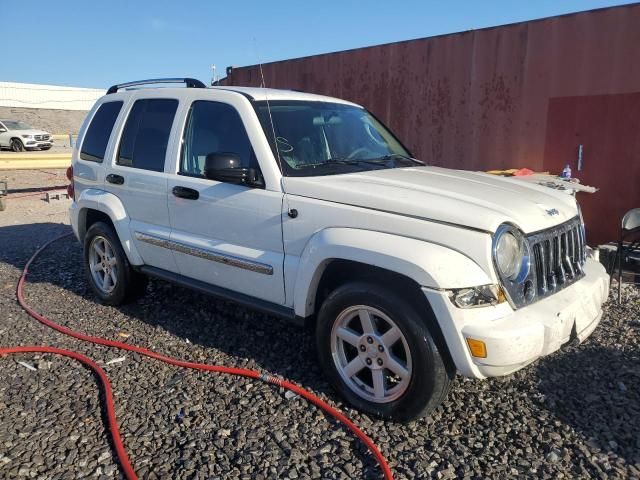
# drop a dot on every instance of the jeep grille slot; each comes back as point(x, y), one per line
point(559, 255)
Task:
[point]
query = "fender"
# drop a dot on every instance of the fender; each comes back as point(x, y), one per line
point(428, 264)
point(109, 204)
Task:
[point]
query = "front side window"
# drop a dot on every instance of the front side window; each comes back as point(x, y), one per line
point(146, 134)
point(17, 125)
point(320, 138)
point(95, 140)
point(213, 127)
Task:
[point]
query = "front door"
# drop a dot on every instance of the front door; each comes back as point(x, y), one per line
point(225, 234)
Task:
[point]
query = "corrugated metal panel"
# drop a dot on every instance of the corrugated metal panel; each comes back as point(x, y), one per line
point(607, 127)
point(479, 99)
point(31, 95)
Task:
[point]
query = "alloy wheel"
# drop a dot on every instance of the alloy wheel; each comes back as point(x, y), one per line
point(103, 264)
point(371, 354)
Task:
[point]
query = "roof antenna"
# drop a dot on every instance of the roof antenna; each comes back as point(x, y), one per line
point(273, 128)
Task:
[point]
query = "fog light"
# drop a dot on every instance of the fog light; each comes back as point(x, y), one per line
point(482, 296)
point(477, 348)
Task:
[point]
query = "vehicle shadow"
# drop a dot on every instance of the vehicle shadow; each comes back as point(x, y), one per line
point(596, 390)
point(252, 338)
point(18, 242)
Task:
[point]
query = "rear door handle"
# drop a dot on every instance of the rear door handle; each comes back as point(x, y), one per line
point(115, 179)
point(184, 192)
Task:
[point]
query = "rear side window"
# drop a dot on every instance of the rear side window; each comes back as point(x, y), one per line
point(95, 140)
point(146, 134)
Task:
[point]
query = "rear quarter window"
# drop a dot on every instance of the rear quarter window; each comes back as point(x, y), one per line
point(96, 139)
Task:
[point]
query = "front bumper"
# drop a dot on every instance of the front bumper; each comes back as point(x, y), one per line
point(515, 338)
point(29, 143)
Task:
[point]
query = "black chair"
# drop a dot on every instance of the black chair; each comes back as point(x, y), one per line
point(630, 227)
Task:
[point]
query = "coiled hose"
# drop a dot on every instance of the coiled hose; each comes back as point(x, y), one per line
point(113, 428)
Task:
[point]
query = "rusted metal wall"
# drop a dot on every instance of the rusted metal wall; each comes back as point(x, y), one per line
point(479, 99)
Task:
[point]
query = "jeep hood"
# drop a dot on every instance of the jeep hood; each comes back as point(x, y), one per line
point(470, 199)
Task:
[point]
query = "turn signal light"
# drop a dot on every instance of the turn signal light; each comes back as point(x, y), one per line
point(477, 348)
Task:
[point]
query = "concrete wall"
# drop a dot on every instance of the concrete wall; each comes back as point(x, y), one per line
point(53, 97)
point(54, 108)
point(54, 121)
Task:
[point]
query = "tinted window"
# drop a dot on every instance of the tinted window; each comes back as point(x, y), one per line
point(146, 134)
point(97, 136)
point(213, 127)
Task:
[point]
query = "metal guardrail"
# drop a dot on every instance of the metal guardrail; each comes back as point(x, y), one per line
point(34, 161)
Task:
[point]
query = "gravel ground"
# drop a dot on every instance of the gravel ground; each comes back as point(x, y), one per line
point(574, 414)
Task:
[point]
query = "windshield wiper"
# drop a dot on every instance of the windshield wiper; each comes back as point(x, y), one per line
point(379, 162)
point(394, 156)
point(339, 161)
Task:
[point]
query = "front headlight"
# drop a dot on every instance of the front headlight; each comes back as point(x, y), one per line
point(27, 136)
point(482, 296)
point(510, 253)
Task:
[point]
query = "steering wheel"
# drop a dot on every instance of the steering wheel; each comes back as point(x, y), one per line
point(374, 136)
point(356, 152)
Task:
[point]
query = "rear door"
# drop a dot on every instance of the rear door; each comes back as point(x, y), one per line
point(227, 235)
point(138, 178)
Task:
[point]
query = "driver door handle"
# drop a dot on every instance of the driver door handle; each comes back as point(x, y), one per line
point(184, 192)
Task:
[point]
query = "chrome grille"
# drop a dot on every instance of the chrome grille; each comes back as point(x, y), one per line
point(41, 137)
point(559, 254)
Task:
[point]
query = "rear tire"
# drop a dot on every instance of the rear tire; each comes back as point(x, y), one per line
point(401, 374)
point(107, 268)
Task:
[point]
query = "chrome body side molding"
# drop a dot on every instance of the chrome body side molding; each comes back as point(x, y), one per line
point(206, 254)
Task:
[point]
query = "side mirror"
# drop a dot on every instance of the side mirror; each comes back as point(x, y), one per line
point(225, 167)
point(2, 129)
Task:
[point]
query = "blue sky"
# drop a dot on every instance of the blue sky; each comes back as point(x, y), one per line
point(95, 44)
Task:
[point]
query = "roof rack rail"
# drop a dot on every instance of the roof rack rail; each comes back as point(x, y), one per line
point(190, 83)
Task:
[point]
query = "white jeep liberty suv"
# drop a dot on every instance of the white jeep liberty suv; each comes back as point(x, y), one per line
point(308, 208)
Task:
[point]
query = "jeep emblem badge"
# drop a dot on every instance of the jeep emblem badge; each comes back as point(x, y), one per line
point(552, 211)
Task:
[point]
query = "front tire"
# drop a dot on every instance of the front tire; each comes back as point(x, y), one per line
point(17, 145)
point(107, 268)
point(379, 354)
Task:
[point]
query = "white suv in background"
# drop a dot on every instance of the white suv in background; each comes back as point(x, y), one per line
point(308, 208)
point(19, 136)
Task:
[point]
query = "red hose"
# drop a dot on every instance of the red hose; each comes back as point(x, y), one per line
point(123, 458)
point(113, 426)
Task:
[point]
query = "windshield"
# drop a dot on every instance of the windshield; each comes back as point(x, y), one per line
point(16, 125)
point(319, 138)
